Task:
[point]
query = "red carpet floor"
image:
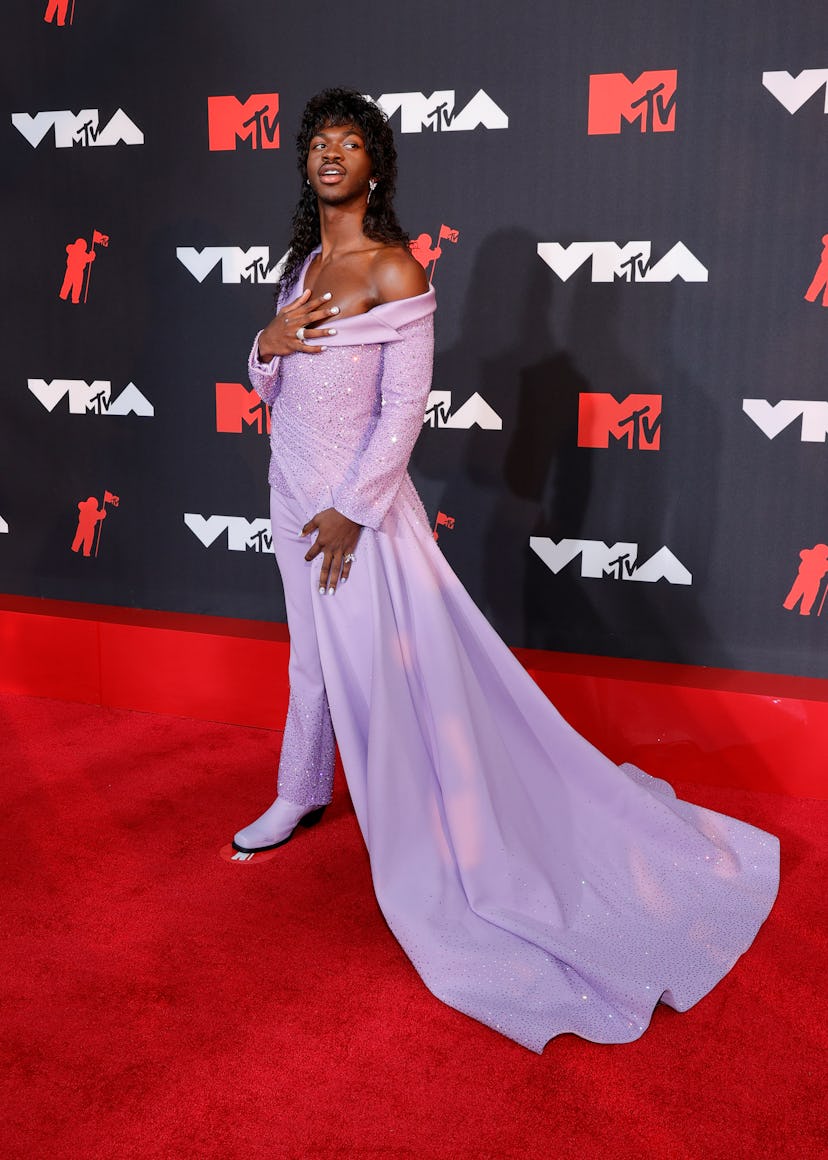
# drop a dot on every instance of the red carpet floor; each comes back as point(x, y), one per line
point(160, 1002)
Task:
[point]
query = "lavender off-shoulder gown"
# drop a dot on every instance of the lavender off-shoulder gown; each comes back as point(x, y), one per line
point(535, 885)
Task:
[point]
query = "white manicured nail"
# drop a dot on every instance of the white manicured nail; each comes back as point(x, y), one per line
point(331, 591)
point(321, 591)
point(334, 310)
point(325, 297)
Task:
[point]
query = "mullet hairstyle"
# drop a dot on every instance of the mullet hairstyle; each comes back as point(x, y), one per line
point(343, 107)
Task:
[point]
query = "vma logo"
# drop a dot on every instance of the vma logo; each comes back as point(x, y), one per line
point(475, 412)
point(793, 92)
point(4, 527)
point(650, 100)
point(242, 535)
point(599, 561)
point(627, 263)
point(83, 129)
point(636, 420)
point(771, 418)
point(437, 113)
point(238, 409)
point(254, 120)
point(93, 398)
point(237, 265)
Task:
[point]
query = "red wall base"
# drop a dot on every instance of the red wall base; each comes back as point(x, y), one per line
point(712, 726)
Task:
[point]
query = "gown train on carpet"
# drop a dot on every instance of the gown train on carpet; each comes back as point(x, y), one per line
point(535, 885)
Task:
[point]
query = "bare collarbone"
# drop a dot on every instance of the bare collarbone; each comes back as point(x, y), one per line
point(360, 279)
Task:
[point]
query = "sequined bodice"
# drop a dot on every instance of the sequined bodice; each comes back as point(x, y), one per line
point(326, 410)
point(335, 394)
point(344, 422)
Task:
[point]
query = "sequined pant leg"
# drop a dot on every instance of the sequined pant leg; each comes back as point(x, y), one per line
point(307, 761)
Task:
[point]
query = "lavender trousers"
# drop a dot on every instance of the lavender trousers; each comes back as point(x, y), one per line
point(306, 764)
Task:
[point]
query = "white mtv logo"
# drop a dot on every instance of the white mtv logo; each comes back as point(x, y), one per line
point(771, 418)
point(81, 129)
point(630, 262)
point(4, 527)
point(436, 112)
point(793, 92)
point(242, 535)
point(619, 561)
point(91, 398)
point(237, 265)
point(474, 411)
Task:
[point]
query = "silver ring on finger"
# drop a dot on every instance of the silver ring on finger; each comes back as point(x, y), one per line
point(300, 334)
point(348, 558)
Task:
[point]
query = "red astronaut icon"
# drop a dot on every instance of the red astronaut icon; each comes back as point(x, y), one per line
point(56, 11)
point(422, 250)
point(77, 259)
point(78, 266)
point(428, 255)
point(808, 580)
point(90, 517)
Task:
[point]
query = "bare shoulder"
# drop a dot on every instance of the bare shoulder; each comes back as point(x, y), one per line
point(397, 274)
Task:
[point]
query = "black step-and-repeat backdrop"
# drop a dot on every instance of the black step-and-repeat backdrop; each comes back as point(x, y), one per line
point(623, 211)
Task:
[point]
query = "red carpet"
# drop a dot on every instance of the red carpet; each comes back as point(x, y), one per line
point(162, 1003)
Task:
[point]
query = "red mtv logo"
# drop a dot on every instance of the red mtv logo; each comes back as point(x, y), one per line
point(255, 121)
point(650, 100)
point(636, 419)
point(236, 408)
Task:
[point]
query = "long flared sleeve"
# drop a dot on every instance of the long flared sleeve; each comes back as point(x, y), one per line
point(374, 478)
point(264, 377)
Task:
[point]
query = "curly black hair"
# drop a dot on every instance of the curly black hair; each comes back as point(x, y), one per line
point(344, 107)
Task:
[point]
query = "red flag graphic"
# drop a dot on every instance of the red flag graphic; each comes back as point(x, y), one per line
point(447, 233)
point(115, 500)
point(99, 239)
point(445, 521)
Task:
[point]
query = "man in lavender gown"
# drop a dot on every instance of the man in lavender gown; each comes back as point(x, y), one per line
point(535, 885)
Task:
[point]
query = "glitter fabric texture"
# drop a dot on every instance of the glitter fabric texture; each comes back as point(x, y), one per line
point(336, 439)
point(307, 759)
point(535, 885)
point(306, 765)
